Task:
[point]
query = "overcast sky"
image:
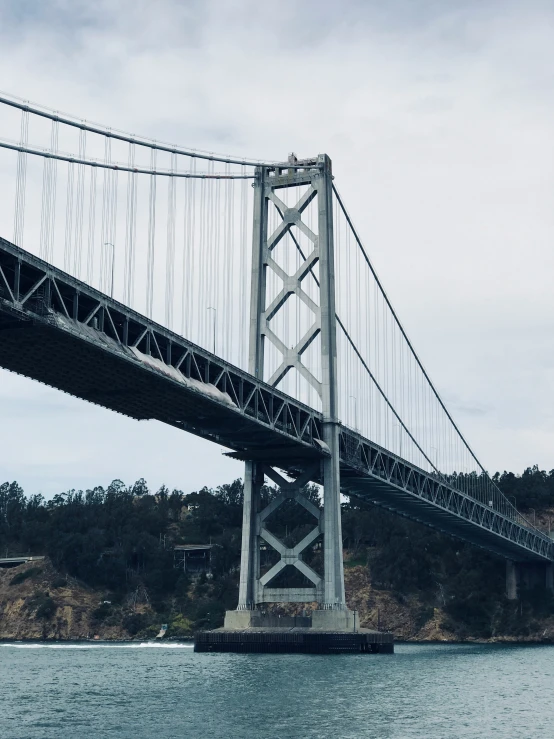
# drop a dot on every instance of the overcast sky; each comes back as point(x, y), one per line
point(439, 119)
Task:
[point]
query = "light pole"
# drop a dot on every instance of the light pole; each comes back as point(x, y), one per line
point(534, 517)
point(355, 411)
point(215, 318)
point(108, 243)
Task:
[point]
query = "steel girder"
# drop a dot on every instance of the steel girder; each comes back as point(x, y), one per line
point(373, 473)
point(35, 295)
point(290, 490)
point(54, 328)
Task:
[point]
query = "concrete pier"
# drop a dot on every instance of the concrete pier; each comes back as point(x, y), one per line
point(325, 632)
point(294, 641)
point(528, 575)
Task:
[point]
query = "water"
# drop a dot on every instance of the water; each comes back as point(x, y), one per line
point(146, 691)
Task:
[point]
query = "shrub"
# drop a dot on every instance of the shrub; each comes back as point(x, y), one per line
point(180, 626)
point(22, 576)
point(59, 582)
point(134, 622)
point(101, 613)
point(45, 606)
point(208, 614)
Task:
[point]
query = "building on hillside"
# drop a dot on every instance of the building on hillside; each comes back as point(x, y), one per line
point(193, 559)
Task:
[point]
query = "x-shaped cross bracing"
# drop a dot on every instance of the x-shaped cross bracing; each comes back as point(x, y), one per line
point(292, 285)
point(290, 556)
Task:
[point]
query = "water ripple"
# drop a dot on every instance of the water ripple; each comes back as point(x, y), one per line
point(165, 690)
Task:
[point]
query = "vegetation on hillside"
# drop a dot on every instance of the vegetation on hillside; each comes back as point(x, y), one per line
point(120, 540)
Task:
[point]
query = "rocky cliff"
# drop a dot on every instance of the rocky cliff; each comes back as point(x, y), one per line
point(36, 602)
point(410, 618)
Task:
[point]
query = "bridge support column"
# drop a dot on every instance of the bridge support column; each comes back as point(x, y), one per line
point(528, 575)
point(255, 589)
point(512, 579)
point(250, 554)
point(334, 596)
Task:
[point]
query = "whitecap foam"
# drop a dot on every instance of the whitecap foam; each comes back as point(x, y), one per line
point(87, 645)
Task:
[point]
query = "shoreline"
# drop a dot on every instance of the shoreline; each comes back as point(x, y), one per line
point(507, 641)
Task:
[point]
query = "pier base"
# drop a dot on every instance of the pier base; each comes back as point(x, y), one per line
point(294, 641)
point(325, 632)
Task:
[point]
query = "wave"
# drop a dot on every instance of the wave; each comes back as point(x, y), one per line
point(102, 645)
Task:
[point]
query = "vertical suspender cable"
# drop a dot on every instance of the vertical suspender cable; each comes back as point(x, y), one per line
point(69, 213)
point(130, 230)
point(187, 248)
point(191, 247)
point(105, 236)
point(48, 211)
point(151, 237)
point(91, 251)
point(79, 207)
point(243, 296)
point(170, 251)
point(21, 182)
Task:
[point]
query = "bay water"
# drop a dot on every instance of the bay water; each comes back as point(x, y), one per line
point(165, 691)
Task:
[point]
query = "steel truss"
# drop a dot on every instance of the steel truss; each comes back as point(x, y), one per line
point(34, 294)
point(60, 331)
point(289, 490)
point(371, 472)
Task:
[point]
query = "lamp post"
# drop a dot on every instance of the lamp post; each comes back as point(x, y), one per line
point(108, 243)
point(534, 517)
point(215, 319)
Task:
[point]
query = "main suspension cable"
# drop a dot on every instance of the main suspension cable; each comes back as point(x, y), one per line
point(401, 328)
point(121, 136)
point(122, 167)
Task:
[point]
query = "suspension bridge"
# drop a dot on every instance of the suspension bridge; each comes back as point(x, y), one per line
point(234, 299)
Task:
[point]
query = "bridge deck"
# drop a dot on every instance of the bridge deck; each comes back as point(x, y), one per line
point(61, 332)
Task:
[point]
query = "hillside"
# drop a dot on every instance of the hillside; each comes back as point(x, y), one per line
point(36, 602)
point(109, 568)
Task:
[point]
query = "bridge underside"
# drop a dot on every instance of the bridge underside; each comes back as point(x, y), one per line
point(61, 332)
point(486, 534)
point(89, 371)
point(400, 502)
